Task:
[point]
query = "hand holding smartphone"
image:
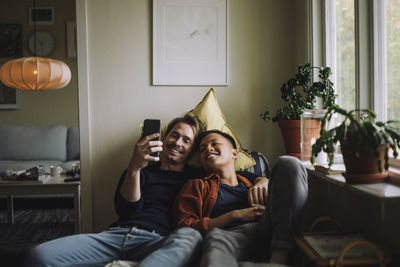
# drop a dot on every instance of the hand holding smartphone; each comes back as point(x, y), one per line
point(151, 126)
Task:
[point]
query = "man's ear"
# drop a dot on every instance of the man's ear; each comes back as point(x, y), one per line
point(235, 153)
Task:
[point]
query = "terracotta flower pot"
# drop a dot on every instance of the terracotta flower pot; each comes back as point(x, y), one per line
point(362, 170)
point(290, 130)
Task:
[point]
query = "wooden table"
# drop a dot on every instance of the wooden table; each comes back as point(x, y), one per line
point(48, 186)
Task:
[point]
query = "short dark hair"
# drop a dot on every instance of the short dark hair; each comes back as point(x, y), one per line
point(227, 136)
point(189, 119)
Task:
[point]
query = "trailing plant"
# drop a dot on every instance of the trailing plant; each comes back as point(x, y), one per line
point(363, 138)
point(298, 99)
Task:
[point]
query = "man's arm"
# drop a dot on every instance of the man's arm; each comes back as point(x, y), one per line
point(123, 207)
point(130, 188)
point(188, 207)
point(248, 214)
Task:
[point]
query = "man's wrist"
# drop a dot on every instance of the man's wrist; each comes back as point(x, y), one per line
point(261, 180)
point(233, 215)
point(132, 172)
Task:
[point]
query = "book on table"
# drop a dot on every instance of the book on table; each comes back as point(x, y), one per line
point(325, 248)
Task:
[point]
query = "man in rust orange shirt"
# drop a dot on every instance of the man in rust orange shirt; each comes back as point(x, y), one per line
point(217, 206)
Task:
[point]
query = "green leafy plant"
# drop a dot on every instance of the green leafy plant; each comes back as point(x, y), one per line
point(364, 137)
point(305, 98)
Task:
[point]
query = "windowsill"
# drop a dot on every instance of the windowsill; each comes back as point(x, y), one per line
point(394, 176)
point(382, 190)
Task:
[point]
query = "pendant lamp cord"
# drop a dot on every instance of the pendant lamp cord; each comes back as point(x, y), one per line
point(34, 27)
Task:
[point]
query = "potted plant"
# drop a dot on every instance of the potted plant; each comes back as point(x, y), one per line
point(364, 144)
point(300, 93)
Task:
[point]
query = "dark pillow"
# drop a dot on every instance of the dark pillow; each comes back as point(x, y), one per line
point(261, 168)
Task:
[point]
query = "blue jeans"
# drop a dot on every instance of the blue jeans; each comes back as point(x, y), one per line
point(117, 244)
point(288, 190)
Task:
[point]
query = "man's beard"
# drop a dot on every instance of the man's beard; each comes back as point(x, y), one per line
point(173, 161)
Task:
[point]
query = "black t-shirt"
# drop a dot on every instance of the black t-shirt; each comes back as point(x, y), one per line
point(230, 198)
point(159, 189)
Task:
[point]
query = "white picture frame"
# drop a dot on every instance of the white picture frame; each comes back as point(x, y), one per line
point(190, 42)
point(44, 15)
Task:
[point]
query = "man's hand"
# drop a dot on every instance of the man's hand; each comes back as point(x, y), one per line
point(249, 214)
point(142, 150)
point(258, 194)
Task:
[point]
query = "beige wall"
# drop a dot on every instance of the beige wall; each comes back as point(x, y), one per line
point(50, 107)
point(262, 55)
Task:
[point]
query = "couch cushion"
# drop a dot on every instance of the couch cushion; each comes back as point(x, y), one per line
point(73, 143)
point(33, 142)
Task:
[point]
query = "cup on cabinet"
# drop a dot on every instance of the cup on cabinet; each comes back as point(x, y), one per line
point(55, 171)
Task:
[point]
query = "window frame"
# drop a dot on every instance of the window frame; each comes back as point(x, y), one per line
point(379, 56)
point(370, 31)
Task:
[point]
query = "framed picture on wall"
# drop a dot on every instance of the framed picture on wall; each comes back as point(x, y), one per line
point(10, 40)
point(10, 47)
point(9, 97)
point(190, 42)
point(41, 15)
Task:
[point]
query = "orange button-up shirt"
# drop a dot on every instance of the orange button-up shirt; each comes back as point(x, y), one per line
point(196, 200)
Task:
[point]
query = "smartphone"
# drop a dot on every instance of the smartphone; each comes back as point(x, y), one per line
point(151, 126)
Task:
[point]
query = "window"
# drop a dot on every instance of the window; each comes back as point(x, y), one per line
point(392, 28)
point(360, 41)
point(393, 58)
point(345, 54)
point(366, 60)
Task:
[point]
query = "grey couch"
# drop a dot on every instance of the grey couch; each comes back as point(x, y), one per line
point(24, 147)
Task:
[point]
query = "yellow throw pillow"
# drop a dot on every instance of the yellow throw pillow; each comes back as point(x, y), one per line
point(210, 114)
